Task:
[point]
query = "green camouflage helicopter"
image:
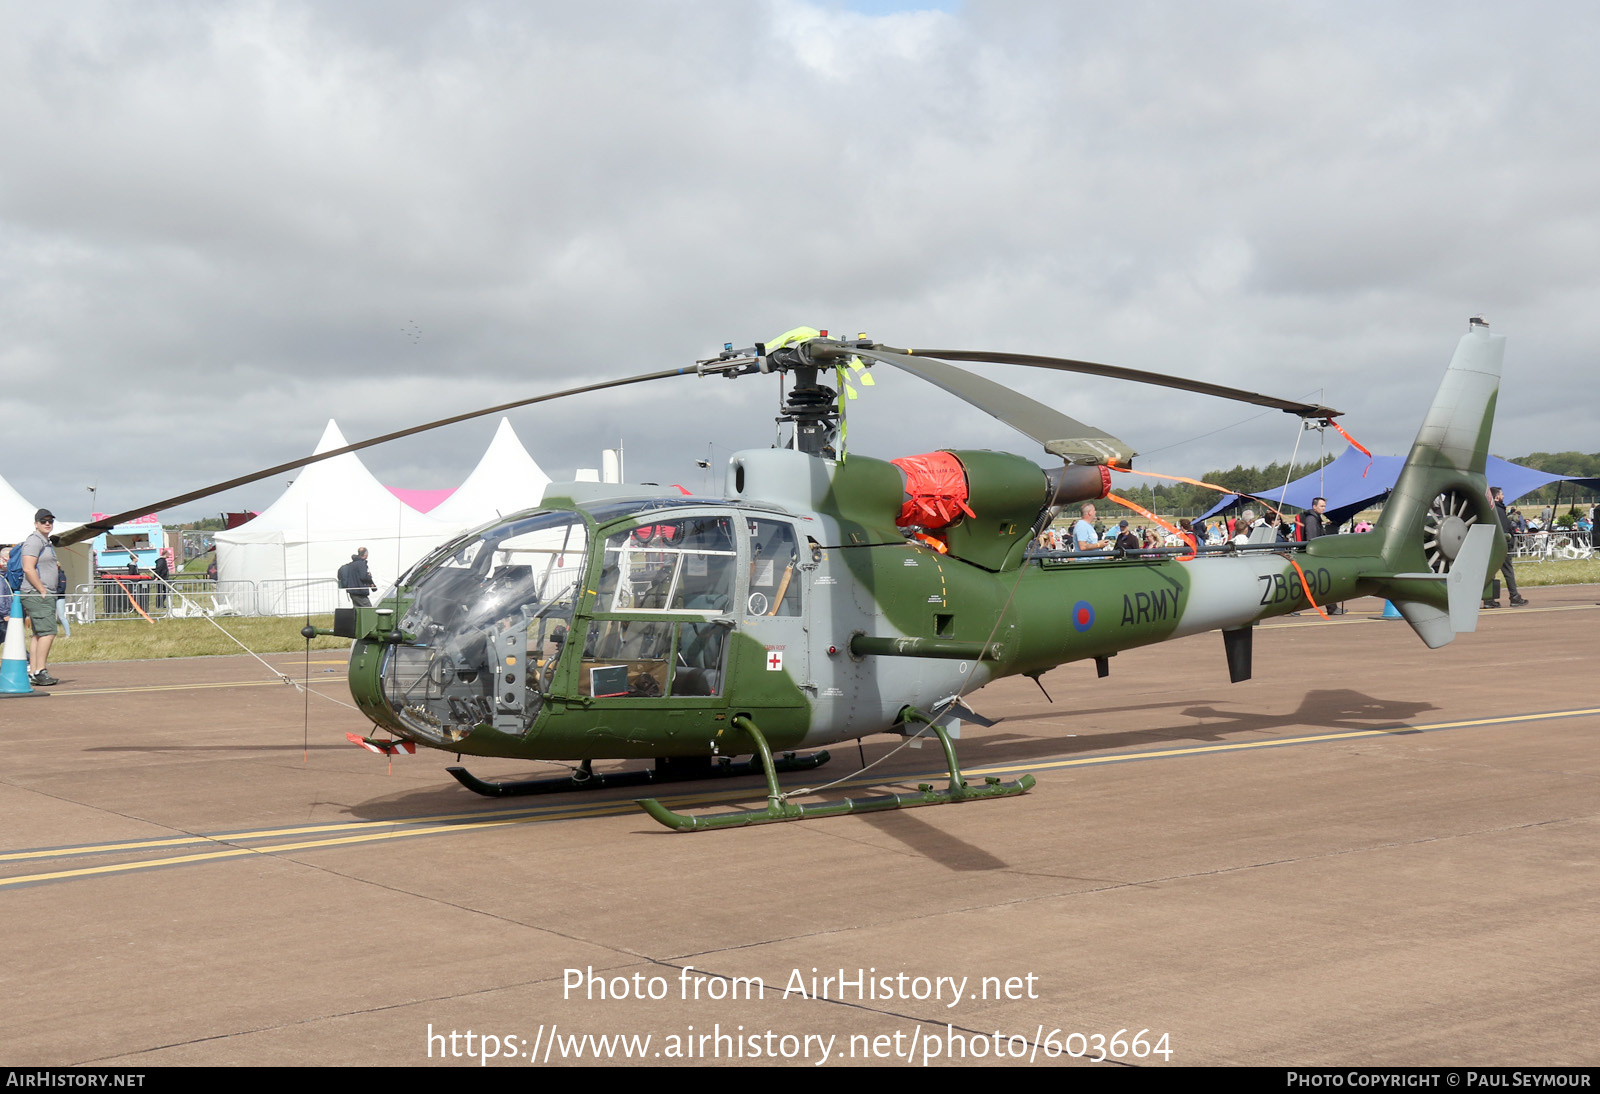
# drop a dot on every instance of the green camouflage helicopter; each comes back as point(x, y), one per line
point(825, 598)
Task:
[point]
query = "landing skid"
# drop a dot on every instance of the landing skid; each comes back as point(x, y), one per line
point(665, 772)
point(779, 808)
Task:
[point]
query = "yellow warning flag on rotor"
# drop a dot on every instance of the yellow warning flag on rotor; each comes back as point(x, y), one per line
point(857, 369)
point(854, 372)
point(789, 337)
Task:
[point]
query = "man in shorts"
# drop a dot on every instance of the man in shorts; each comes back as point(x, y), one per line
point(40, 572)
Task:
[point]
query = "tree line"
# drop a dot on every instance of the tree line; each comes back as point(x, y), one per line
point(1560, 463)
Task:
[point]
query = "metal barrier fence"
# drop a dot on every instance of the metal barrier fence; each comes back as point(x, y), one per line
point(128, 598)
point(299, 596)
point(1559, 544)
point(117, 597)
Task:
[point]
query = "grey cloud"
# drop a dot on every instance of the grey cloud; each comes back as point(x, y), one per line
point(222, 224)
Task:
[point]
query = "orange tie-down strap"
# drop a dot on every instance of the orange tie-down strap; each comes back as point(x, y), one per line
point(1201, 482)
point(1175, 478)
point(1305, 587)
point(1147, 514)
point(132, 599)
point(1354, 444)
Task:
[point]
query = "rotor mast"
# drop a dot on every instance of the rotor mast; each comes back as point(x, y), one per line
point(812, 410)
point(810, 407)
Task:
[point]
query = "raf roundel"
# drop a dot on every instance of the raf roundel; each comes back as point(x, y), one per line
point(1082, 616)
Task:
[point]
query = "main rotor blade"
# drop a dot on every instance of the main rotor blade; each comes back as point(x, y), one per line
point(1062, 436)
point(89, 531)
point(1116, 372)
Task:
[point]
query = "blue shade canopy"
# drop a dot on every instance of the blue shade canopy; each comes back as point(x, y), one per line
point(1352, 483)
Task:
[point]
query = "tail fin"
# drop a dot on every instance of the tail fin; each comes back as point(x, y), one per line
point(1440, 533)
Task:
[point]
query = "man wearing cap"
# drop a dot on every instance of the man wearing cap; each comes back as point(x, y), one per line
point(40, 572)
point(1127, 539)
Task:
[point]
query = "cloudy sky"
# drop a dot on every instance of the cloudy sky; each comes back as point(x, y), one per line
point(223, 223)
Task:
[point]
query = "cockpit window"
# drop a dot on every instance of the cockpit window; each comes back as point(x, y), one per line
point(647, 658)
point(686, 564)
point(774, 569)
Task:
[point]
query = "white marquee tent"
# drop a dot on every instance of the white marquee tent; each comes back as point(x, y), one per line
point(293, 550)
point(16, 515)
point(16, 522)
point(505, 481)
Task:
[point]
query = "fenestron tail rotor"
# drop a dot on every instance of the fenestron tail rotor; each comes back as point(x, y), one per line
point(1445, 529)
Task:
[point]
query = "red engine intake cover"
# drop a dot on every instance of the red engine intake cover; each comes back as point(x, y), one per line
point(936, 490)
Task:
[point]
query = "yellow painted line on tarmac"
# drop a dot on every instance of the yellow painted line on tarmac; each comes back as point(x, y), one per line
point(434, 823)
point(283, 848)
point(1525, 610)
point(186, 687)
point(154, 842)
point(393, 829)
point(1276, 742)
point(1308, 616)
point(473, 822)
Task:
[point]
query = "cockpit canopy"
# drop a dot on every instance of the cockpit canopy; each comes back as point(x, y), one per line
point(486, 609)
point(491, 613)
point(534, 564)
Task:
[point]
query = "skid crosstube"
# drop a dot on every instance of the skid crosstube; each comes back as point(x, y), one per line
point(779, 808)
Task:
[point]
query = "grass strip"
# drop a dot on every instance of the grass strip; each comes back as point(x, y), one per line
point(136, 640)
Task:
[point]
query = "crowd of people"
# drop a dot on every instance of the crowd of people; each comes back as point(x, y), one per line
point(1088, 533)
point(1521, 524)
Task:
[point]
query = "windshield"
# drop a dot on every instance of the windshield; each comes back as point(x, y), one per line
point(488, 617)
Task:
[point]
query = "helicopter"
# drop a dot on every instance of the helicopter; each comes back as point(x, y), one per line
point(827, 596)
